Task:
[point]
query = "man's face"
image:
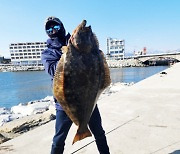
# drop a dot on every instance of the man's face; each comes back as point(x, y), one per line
point(53, 29)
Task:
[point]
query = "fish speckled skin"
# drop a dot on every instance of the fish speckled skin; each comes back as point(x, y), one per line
point(81, 75)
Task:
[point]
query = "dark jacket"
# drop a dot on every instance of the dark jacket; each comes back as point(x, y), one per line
point(51, 56)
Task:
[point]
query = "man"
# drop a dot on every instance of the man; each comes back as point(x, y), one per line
point(50, 57)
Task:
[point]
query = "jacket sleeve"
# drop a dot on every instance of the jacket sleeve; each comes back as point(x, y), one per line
point(50, 60)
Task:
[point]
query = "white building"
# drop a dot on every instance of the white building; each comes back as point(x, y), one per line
point(115, 48)
point(27, 54)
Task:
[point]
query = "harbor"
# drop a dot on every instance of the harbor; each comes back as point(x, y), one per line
point(139, 110)
point(140, 119)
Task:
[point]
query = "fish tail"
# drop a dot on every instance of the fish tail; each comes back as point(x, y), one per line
point(81, 135)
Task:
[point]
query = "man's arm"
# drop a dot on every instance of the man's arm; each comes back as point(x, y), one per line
point(50, 60)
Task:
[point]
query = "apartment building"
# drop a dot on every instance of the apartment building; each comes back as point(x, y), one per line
point(115, 48)
point(27, 54)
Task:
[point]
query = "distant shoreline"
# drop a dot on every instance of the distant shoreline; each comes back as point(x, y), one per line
point(11, 68)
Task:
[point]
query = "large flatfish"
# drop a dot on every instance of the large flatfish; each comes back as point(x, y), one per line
point(81, 75)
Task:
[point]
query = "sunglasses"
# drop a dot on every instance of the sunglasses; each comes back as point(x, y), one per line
point(50, 30)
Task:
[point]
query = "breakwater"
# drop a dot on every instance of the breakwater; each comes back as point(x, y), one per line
point(12, 68)
point(124, 63)
point(112, 63)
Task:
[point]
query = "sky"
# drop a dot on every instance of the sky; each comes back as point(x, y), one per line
point(154, 24)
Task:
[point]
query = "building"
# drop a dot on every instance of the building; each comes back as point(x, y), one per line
point(141, 52)
point(27, 54)
point(115, 48)
point(4, 60)
point(1, 59)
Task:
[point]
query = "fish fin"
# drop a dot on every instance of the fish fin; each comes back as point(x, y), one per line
point(107, 79)
point(81, 135)
point(64, 49)
point(58, 82)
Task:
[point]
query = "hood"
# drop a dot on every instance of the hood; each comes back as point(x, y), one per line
point(53, 20)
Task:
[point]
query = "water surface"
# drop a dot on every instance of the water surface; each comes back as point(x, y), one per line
point(22, 87)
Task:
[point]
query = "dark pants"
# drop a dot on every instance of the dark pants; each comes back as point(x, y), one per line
point(63, 124)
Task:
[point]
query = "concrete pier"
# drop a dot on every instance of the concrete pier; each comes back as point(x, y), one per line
point(140, 119)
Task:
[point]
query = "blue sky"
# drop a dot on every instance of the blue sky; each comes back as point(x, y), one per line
point(154, 24)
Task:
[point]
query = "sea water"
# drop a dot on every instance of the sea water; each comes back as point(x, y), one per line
point(23, 87)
